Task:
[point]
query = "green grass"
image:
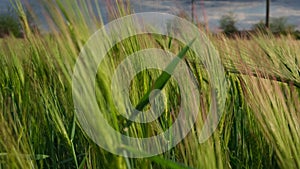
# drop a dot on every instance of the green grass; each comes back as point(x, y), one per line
point(38, 127)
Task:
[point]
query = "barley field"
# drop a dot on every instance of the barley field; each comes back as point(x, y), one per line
point(259, 128)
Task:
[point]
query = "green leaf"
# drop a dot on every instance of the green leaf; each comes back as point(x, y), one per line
point(161, 81)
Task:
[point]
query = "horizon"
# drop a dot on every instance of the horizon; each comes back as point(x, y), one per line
point(247, 13)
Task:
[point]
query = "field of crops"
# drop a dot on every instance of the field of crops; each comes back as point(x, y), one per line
point(259, 127)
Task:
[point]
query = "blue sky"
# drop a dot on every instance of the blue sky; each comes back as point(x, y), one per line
point(247, 12)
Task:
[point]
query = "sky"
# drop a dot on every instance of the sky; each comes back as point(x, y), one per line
point(247, 12)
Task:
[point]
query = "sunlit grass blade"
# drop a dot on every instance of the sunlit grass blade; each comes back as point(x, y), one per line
point(161, 81)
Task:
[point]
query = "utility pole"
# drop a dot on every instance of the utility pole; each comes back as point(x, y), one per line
point(268, 13)
point(193, 11)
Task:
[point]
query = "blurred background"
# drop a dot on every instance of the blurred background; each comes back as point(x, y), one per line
point(245, 12)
